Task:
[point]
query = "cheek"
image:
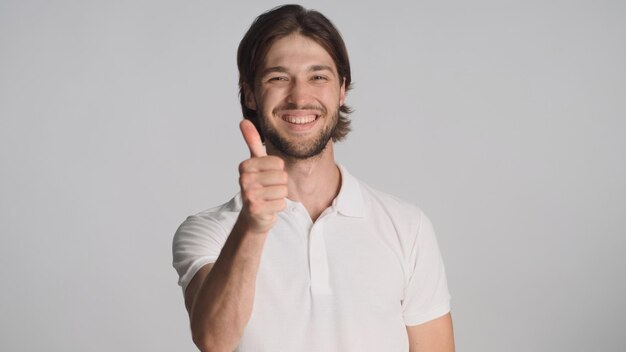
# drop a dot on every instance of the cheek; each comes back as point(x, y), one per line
point(332, 97)
point(270, 98)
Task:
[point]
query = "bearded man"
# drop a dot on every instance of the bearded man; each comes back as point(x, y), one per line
point(306, 257)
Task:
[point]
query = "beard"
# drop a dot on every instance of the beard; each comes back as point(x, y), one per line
point(300, 149)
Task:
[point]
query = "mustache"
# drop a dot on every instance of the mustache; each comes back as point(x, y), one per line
point(294, 106)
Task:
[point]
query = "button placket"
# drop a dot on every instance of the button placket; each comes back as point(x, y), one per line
point(318, 260)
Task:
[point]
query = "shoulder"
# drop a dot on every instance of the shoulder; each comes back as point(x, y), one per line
point(398, 209)
point(401, 222)
point(408, 223)
point(200, 238)
point(357, 197)
point(219, 218)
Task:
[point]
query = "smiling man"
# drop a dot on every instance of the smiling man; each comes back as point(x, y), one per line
point(306, 257)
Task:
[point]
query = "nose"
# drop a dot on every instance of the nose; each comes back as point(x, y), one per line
point(299, 93)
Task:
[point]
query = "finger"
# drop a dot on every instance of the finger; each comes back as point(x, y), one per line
point(270, 193)
point(263, 163)
point(272, 178)
point(275, 193)
point(253, 180)
point(276, 206)
point(266, 209)
point(252, 138)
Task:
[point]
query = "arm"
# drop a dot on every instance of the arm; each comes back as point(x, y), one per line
point(433, 336)
point(220, 297)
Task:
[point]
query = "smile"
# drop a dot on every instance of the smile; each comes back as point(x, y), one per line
point(299, 119)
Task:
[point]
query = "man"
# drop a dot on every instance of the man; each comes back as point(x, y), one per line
point(306, 257)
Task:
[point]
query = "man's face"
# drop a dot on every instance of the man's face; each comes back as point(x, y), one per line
point(297, 97)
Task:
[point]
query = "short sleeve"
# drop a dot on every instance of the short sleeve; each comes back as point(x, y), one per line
point(426, 294)
point(197, 242)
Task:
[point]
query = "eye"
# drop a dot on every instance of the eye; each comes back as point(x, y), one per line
point(277, 79)
point(320, 78)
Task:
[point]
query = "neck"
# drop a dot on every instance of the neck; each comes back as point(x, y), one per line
point(314, 182)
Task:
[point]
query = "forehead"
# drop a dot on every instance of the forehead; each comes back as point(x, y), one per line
point(295, 51)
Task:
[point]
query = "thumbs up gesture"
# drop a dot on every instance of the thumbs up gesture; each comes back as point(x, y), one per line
point(263, 183)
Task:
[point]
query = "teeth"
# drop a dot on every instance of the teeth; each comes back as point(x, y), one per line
point(299, 120)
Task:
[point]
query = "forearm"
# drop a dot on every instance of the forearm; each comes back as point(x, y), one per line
point(223, 305)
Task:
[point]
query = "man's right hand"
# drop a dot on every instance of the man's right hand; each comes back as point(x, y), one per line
point(221, 295)
point(263, 182)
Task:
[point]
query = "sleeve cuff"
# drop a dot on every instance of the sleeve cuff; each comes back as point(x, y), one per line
point(436, 312)
point(193, 269)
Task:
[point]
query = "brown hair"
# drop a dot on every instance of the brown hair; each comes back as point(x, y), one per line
point(279, 23)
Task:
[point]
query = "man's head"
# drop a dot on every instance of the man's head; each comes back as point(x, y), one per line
point(273, 80)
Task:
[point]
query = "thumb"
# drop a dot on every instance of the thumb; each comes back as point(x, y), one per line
point(252, 138)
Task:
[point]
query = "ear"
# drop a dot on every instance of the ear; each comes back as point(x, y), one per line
point(342, 92)
point(249, 97)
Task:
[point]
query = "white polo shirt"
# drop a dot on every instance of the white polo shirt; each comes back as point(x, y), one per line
point(350, 281)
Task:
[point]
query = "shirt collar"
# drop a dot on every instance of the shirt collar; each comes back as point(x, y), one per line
point(349, 201)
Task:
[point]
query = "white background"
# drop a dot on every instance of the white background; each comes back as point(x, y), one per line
point(503, 120)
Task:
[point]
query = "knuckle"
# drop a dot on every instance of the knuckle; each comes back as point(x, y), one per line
point(255, 208)
point(245, 197)
point(251, 194)
point(250, 198)
point(243, 166)
point(275, 162)
point(245, 179)
point(280, 163)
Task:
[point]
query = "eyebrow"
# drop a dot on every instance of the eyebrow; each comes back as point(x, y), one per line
point(320, 68)
point(282, 69)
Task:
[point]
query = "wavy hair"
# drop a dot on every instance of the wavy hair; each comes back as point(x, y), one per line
point(279, 23)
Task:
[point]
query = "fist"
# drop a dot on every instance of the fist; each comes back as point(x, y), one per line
point(263, 182)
